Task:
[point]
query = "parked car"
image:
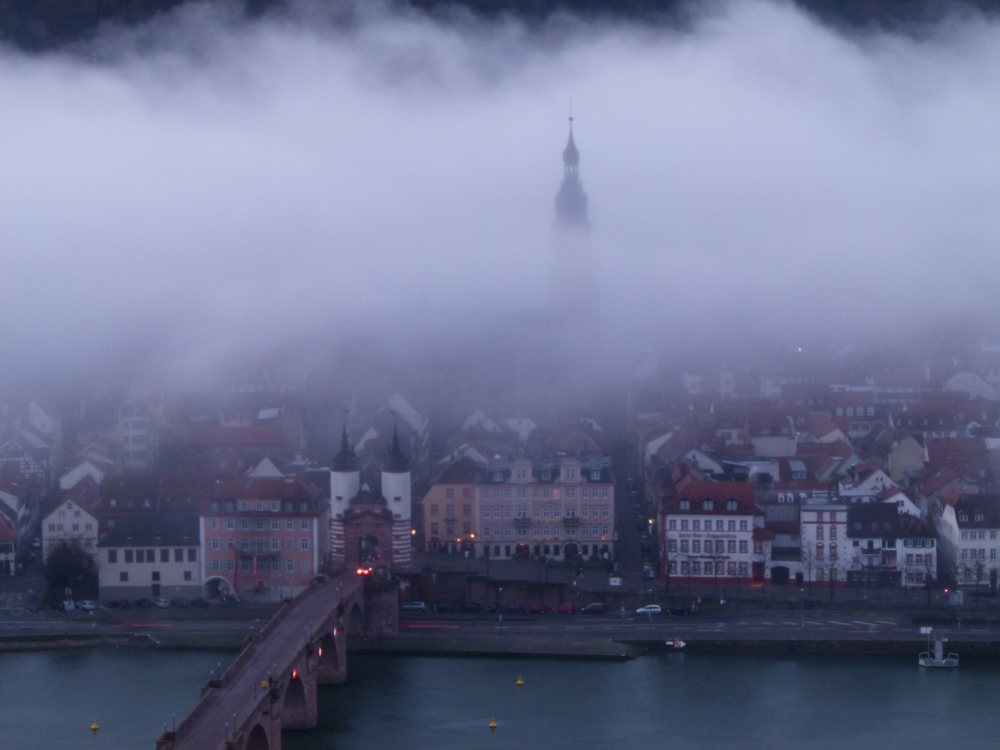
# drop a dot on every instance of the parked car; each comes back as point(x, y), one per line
point(445, 607)
point(86, 605)
point(160, 602)
point(563, 609)
point(119, 604)
point(536, 609)
point(414, 607)
point(200, 603)
point(650, 609)
point(594, 608)
point(470, 607)
point(180, 603)
point(493, 608)
point(143, 603)
point(66, 606)
point(680, 611)
point(514, 609)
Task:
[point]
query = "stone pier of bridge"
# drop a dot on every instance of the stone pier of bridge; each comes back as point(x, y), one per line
point(273, 684)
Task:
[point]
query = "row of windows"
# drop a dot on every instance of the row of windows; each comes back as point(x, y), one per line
point(507, 531)
point(860, 411)
point(978, 534)
point(259, 506)
point(450, 493)
point(919, 560)
point(76, 527)
point(696, 568)
point(707, 505)
point(150, 555)
point(721, 546)
point(918, 542)
point(696, 525)
point(449, 510)
point(259, 524)
point(550, 494)
point(832, 516)
point(978, 554)
point(154, 576)
point(832, 534)
point(76, 514)
point(263, 566)
point(586, 511)
point(259, 545)
point(450, 527)
point(820, 552)
point(521, 475)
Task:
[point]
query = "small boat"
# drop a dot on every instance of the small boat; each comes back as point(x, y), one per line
point(938, 658)
point(676, 643)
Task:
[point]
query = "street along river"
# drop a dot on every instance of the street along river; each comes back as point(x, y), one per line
point(693, 700)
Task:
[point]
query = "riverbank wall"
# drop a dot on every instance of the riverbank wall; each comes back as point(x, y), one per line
point(516, 646)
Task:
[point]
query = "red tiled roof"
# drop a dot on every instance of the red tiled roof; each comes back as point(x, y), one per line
point(266, 488)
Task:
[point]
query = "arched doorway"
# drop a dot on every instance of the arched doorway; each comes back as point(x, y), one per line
point(522, 552)
point(571, 551)
point(295, 695)
point(779, 575)
point(258, 739)
point(369, 549)
point(217, 587)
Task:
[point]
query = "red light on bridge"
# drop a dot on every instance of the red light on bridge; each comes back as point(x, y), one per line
point(319, 651)
point(295, 674)
point(363, 571)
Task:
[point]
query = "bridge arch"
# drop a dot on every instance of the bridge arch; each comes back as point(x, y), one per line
point(258, 739)
point(356, 621)
point(328, 652)
point(295, 695)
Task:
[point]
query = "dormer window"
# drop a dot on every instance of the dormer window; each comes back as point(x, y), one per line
point(546, 475)
point(497, 476)
point(707, 505)
point(685, 505)
point(979, 516)
point(595, 475)
point(522, 474)
point(730, 505)
point(571, 473)
point(963, 518)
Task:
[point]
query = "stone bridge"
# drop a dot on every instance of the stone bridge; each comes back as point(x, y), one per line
point(272, 684)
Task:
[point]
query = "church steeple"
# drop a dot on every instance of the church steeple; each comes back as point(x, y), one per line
point(571, 201)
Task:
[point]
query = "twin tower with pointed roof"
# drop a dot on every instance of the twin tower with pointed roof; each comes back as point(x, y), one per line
point(370, 528)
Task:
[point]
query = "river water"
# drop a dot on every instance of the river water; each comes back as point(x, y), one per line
point(680, 701)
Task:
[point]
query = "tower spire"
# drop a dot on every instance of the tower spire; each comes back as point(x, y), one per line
point(571, 201)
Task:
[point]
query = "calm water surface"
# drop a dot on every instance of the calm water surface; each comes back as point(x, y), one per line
point(701, 701)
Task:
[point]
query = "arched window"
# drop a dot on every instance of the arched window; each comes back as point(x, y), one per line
point(819, 551)
point(833, 551)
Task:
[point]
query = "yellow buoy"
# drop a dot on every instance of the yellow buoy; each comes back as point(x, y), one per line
point(520, 681)
point(94, 726)
point(263, 683)
point(493, 723)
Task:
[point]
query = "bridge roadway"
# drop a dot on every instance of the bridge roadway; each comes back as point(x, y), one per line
point(272, 683)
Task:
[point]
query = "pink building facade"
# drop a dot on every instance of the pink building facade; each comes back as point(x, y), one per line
point(263, 537)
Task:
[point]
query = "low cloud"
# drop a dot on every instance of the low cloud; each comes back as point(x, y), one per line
point(206, 184)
